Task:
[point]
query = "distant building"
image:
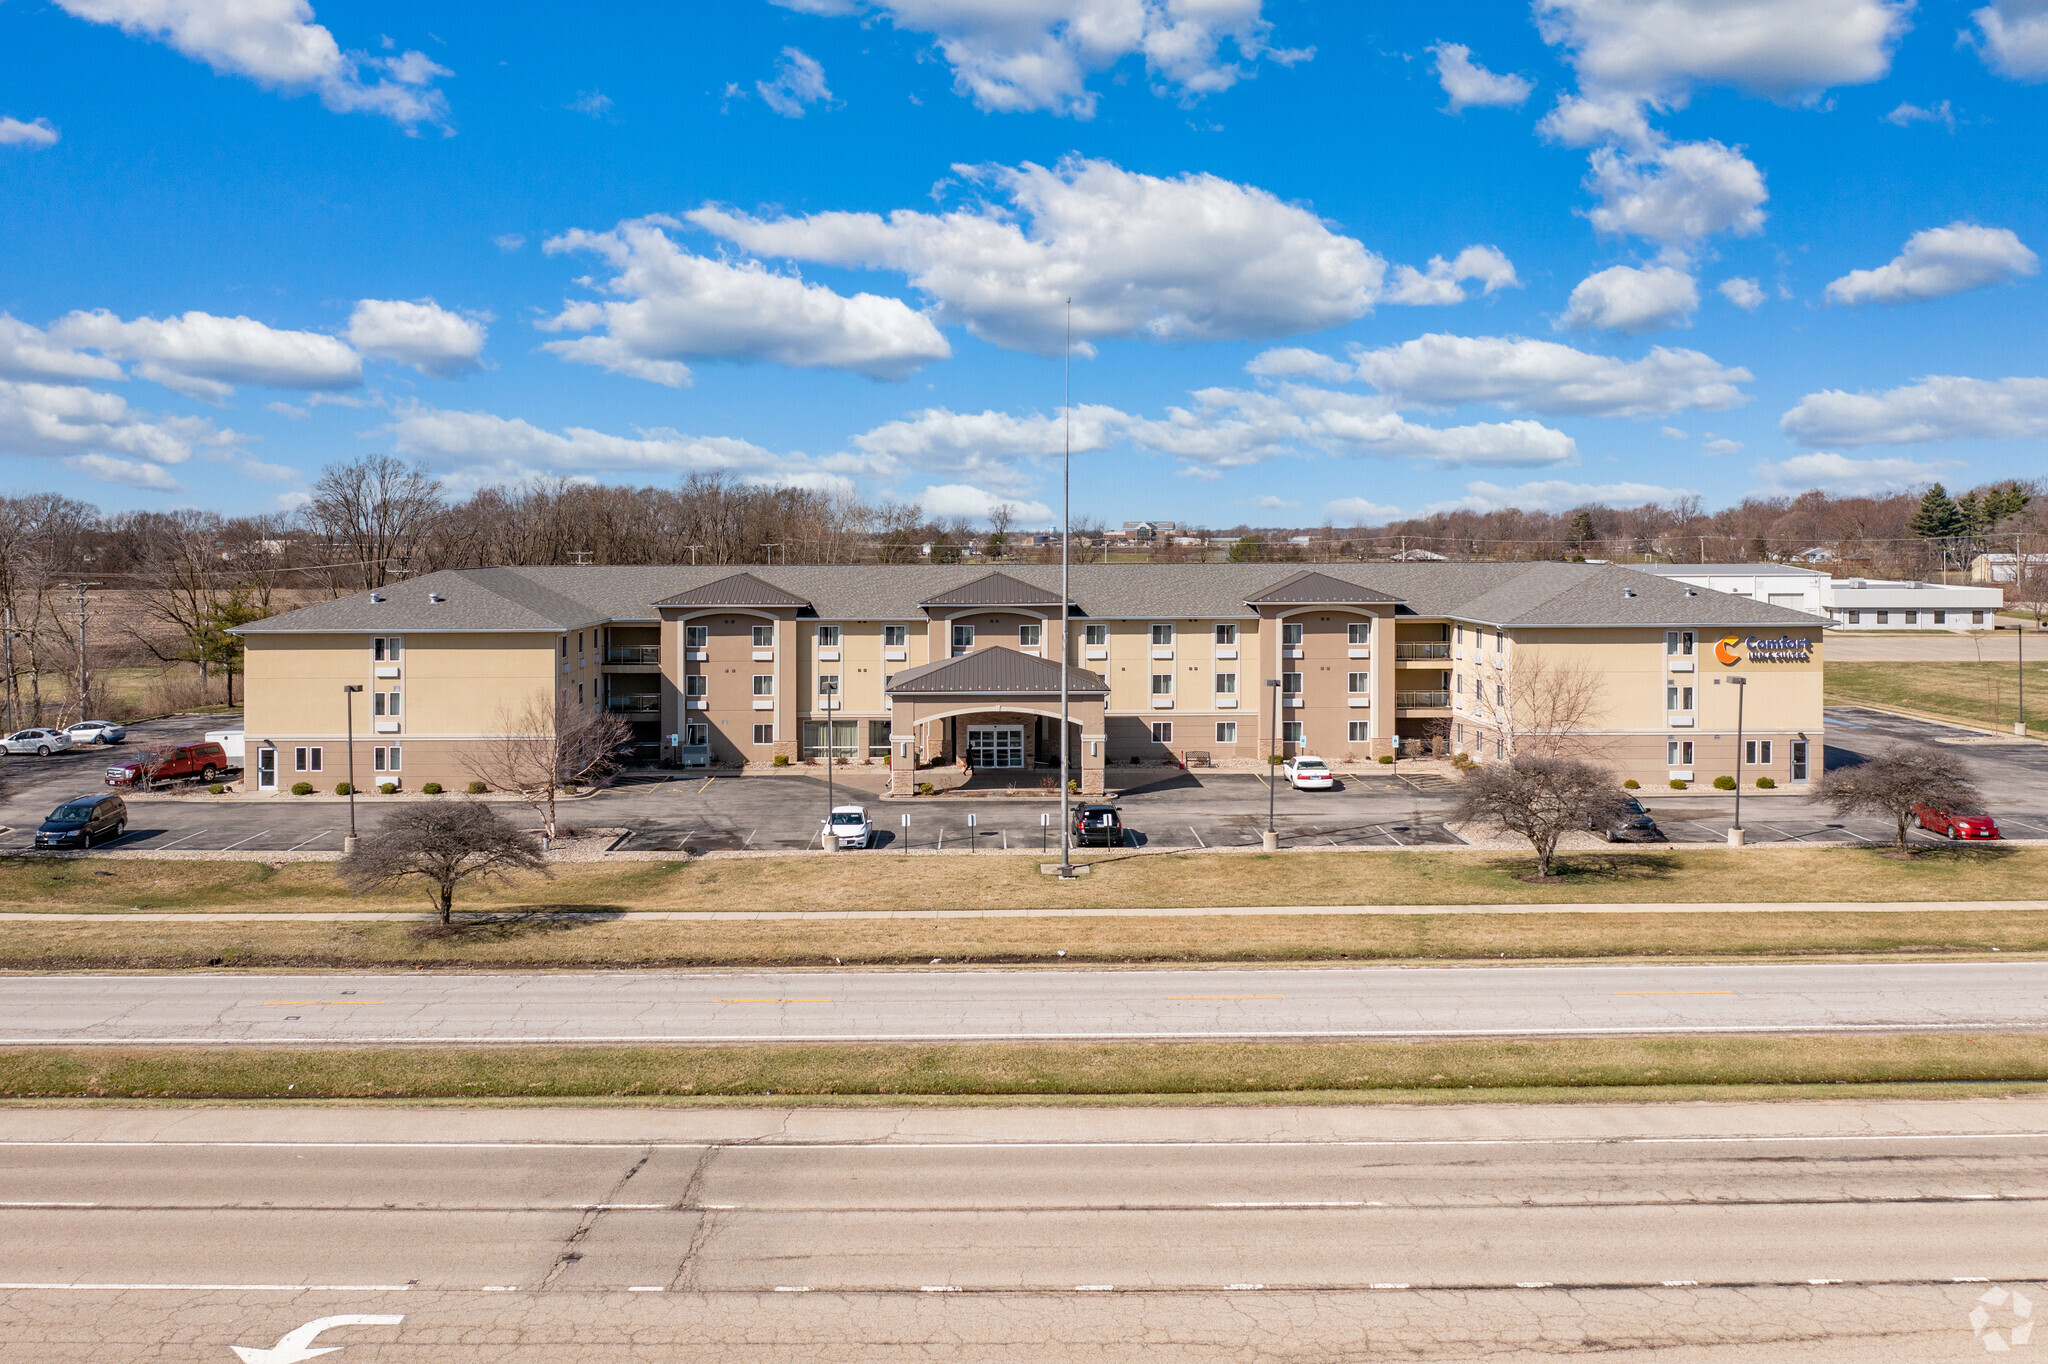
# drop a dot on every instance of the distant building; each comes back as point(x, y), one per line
point(1851, 603)
point(2005, 568)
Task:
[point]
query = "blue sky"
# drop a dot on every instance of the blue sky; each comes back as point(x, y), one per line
point(1329, 261)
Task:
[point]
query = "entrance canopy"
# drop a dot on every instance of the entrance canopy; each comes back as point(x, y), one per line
point(995, 709)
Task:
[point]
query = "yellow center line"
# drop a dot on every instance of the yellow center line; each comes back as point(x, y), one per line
point(771, 1001)
point(1226, 996)
point(303, 1003)
point(1674, 992)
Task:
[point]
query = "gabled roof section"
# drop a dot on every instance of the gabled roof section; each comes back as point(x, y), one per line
point(738, 589)
point(993, 672)
point(994, 589)
point(1311, 588)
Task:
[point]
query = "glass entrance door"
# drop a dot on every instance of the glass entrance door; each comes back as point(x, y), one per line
point(995, 745)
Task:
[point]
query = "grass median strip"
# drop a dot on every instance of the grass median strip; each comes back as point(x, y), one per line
point(1630, 1066)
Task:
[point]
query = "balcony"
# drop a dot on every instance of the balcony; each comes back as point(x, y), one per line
point(633, 703)
point(1422, 700)
point(633, 657)
point(1404, 652)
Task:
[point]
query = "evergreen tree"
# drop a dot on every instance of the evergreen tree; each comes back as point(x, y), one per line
point(1246, 549)
point(1582, 530)
point(1938, 517)
point(1974, 515)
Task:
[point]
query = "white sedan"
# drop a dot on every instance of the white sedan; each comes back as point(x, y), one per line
point(1308, 774)
point(848, 828)
point(41, 742)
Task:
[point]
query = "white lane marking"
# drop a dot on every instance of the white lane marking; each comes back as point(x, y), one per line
point(647, 1288)
point(1818, 1282)
point(1681, 1283)
point(48, 1205)
point(176, 841)
point(296, 1344)
point(1383, 829)
point(1396, 1286)
point(314, 839)
point(1543, 1283)
point(499, 1288)
point(1312, 1203)
point(745, 842)
point(240, 841)
point(789, 1288)
point(938, 1288)
point(1095, 1288)
point(207, 1287)
point(1242, 1287)
point(1198, 837)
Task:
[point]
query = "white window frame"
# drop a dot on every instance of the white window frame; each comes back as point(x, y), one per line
point(760, 731)
point(1358, 684)
point(307, 758)
point(828, 636)
point(696, 636)
point(696, 685)
point(1358, 632)
point(1162, 731)
point(1095, 636)
point(1678, 753)
point(1679, 643)
point(1756, 752)
point(1358, 732)
point(1226, 731)
point(764, 636)
point(1290, 684)
point(1290, 634)
point(1226, 635)
point(895, 636)
point(1162, 635)
point(828, 684)
point(387, 649)
point(1162, 684)
point(1678, 698)
point(962, 635)
point(764, 684)
point(1226, 684)
point(1030, 636)
point(1290, 732)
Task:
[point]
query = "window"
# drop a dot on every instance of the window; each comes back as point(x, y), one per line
point(697, 735)
point(1226, 731)
point(1290, 632)
point(878, 738)
point(1500, 638)
point(1458, 734)
point(1162, 684)
point(387, 649)
point(1162, 636)
point(1500, 694)
point(1677, 697)
point(565, 646)
point(828, 684)
point(1359, 731)
point(1291, 683)
point(1500, 749)
point(895, 636)
point(1912, 618)
point(306, 759)
point(1976, 618)
point(1884, 617)
point(385, 759)
point(1027, 636)
point(764, 734)
point(1678, 753)
point(1458, 685)
point(386, 703)
point(1941, 617)
point(579, 693)
point(579, 641)
point(828, 636)
point(1095, 634)
point(1358, 683)
point(764, 636)
point(1799, 760)
point(696, 636)
point(1855, 617)
point(1757, 753)
point(1290, 731)
point(764, 684)
point(1226, 635)
point(1678, 643)
point(963, 638)
point(695, 684)
point(1226, 684)
point(1162, 731)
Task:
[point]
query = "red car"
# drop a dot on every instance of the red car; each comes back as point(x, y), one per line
point(1950, 824)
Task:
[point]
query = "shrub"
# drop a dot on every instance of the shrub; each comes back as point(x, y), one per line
point(1462, 760)
point(477, 788)
point(1677, 785)
point(782, 760)
point(1631, 785)
point(389, 788)
point(1387, 758)
point(1724, 783)
point(432, 788)
point(302, 788)
point(925, 788)
point(216, 790)
point(342, 788)
point(1766, 784)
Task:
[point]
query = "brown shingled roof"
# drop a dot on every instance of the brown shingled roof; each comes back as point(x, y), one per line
point(1317, 589)
point(995, 671)
point(994, 589)
point(740, 589)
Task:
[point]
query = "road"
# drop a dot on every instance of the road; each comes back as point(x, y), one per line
point(1839, 1232)
point(983, 1004)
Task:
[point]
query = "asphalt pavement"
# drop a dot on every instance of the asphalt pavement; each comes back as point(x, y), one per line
point(979, 1004)
point(1850, 1232)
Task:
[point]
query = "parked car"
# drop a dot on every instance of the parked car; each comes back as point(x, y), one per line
point(1307, 773)
point(1633, 825)
point(82, 822)
point(41, 742)
point(1098, 824)
point(96, 732)
point(1955, 824)
point(156, 765)
point(848, 828)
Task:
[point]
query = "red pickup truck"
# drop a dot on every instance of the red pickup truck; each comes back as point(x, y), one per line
point(172, 763)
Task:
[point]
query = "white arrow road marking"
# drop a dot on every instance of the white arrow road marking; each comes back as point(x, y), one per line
point(293, 1345)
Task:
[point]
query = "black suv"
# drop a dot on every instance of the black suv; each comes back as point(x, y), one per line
point(83, 822)
point(1633, 825)
point(1098, 824)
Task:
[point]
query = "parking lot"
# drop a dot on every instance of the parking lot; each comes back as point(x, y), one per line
point(1162, 808)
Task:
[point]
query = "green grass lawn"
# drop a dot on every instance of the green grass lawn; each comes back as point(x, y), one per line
point(1981, 693)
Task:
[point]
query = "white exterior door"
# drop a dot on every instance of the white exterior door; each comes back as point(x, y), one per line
point(995, 746)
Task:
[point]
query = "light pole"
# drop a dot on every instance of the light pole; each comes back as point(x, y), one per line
point(1272, 839)
point(1741, 685)
point(348, 704)
point(2019, 726)
point(1066, 596)
point(829, 842)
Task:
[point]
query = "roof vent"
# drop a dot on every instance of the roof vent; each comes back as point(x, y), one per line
point(376, 596)
point(1692, 591)
point(1628, 591)
point(435, 597)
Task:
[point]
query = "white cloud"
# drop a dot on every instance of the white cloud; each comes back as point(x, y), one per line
point(28, 353)
point(1439, 284)
point(1557, 495)
point(1907, 114)
point(1630, 300)
point(508, 242)
point(268, 473)
point(1471, 85)
point(1723, 446)
point(1678, 193)
point(292, 501)
point(1286, 362)
point(964, 499)
point(1586, 120)
point(799, 80)
point(421, 334)
point(275, 43)
point(1192, 258)
point(1520, 374)
point(2015, 38)
point(15, 133)
point(133, 473)
point(66, 419)
point(1013, 55)
point(1672, 433)
point(1938, 407)
point(595, 103)
point(992, 448)
point(671, 306)
point(1745, 294)
point(1844, 476)
point(1268, 502)
point(1939, 262)
point(1358, 511)
point(204, 356)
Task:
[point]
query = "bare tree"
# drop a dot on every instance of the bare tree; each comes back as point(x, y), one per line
point(1900, 779)
point(1542, 799)
point(380, 511)
point(1551, 704)
point(443, 846)
point(542, 748)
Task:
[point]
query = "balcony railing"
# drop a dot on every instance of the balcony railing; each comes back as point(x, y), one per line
point(633, 653)
point(1422, 699)
point(618, 703)
point(1422, 651)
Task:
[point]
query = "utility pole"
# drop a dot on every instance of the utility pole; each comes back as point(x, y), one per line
point(1066, 595)
point(84, 598)
point(580, 557)
point(7, 647)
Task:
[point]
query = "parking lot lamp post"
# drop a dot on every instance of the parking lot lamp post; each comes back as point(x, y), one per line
point(1741, 685)
point(2019, 726)
point(348, 704)
point(825, 844)
point(1066, 872)
point(1272, 839)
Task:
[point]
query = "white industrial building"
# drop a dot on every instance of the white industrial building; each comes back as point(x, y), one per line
point(1850, 603)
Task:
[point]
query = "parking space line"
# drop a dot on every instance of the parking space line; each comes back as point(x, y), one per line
point(176, 841)
point(749, 838)
point(314, 839)
point(1789, 837)
point(240, 841)
point(1198, 838)
point(705, 787)
point(1383, 829)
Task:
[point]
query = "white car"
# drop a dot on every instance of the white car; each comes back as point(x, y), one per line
point(848, 828)
point(41, 742)
point(1308, 774)
point(96, 732)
